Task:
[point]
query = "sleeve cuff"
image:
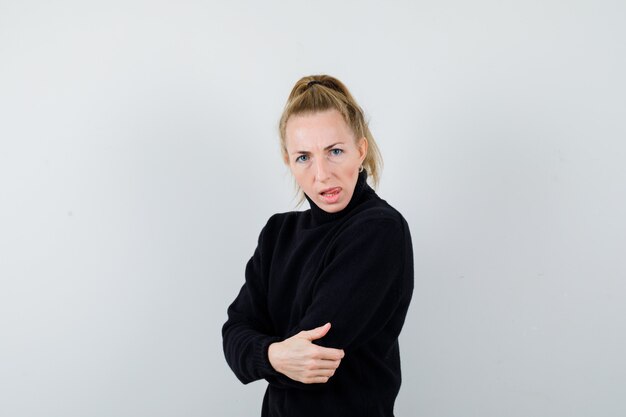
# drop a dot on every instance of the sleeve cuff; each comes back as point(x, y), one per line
point(261, 358)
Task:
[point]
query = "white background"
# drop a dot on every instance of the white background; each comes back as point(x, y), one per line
point(139, 160)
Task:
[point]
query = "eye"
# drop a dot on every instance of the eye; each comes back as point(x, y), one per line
point(302, 158)
point(336, 152)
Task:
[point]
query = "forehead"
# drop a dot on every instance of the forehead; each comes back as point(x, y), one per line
point(317, 129)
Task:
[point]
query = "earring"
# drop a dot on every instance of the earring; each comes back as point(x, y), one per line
point(361, 168)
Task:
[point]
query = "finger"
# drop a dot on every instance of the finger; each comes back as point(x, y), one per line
point(329, 353)
point(320, 367)
point(319, 378)
point(325, 373)
point(316, 380)
point(325, 364)
point(316, 333)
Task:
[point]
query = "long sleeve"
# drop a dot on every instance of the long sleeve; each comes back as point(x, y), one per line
point(364, 290)
point(247, 333)
point(366, 285)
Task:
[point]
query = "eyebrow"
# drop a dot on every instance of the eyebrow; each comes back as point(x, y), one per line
point(326, 149)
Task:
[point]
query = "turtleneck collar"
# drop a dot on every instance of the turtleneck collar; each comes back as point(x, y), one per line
point(361, 190)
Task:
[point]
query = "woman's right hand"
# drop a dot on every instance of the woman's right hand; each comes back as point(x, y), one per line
point(302, 360)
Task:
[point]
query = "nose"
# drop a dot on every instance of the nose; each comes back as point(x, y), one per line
point(322, 170)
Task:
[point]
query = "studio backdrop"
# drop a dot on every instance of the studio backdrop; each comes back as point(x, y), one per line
point(139, 160)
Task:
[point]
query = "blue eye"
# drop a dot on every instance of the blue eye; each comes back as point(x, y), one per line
point(336, 152)
point(302, 158)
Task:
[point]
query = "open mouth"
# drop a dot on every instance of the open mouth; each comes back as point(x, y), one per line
point(331, 195)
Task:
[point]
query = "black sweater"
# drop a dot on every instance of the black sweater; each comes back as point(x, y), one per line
point(354, 269)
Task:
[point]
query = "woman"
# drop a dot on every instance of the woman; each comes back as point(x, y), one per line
point(327, 289)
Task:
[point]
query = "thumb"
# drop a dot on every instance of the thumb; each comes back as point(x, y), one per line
point(316, 333)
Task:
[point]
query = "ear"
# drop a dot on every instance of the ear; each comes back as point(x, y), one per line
point(363, 144)
point(285, 158)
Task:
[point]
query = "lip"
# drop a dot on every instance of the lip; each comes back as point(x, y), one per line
point(330, 195)
point(330, 190)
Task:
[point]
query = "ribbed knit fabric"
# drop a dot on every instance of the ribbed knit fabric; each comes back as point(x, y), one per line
point(354, 269)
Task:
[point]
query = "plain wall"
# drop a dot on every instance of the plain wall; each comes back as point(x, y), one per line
point(139, 160)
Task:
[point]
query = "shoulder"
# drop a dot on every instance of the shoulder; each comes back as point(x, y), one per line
point(374, 224)
point(376, 236)
point(279, 222)
point(378, 214)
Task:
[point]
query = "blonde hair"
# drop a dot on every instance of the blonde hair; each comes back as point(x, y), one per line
point(316, 93)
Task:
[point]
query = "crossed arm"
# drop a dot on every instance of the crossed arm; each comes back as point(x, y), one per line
point(358, 296)
point(301, 360)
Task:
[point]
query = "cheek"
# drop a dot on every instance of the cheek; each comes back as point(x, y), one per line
point(300, 174)
point(352, 169)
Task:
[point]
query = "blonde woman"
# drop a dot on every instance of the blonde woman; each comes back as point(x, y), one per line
point(327, 290)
